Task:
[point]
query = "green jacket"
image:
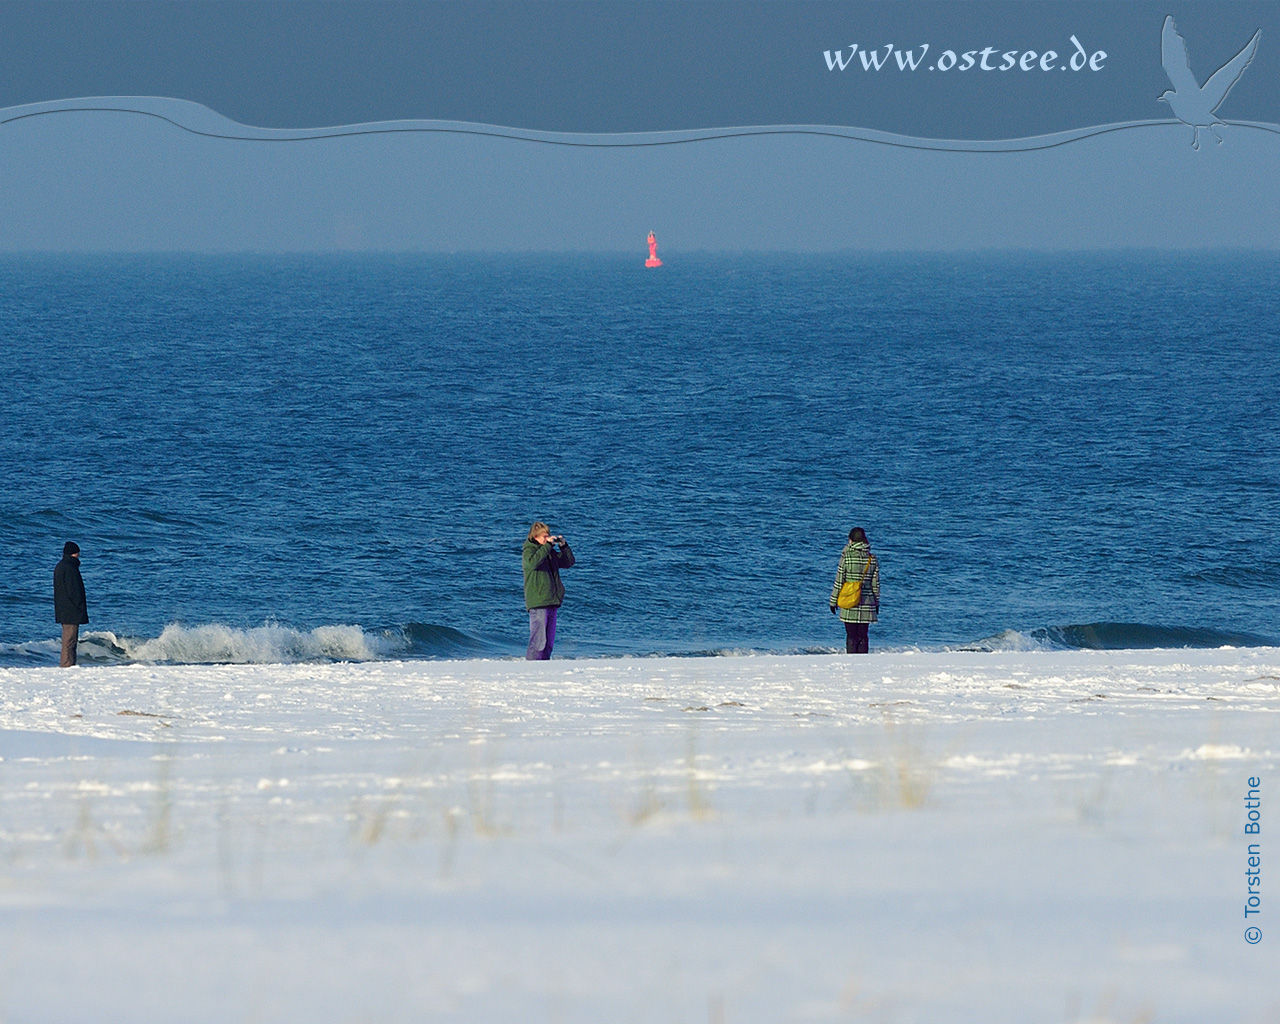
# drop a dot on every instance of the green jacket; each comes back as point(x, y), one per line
point(542, 565)
point(858, 563)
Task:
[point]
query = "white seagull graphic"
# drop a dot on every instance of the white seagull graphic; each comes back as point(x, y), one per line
point(1192, 103)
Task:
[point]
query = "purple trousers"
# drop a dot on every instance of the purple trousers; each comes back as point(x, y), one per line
point(542, 634)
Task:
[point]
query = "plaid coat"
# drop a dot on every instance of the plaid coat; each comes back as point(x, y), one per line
point(858, 563)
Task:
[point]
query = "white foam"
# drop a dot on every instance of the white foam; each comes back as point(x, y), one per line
point(263, 645)
point(35, 649)
point(1006, 640)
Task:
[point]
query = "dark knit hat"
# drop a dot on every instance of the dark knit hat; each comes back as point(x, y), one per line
point(70, 548)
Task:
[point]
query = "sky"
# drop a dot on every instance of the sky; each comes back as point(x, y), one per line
point(114, 181)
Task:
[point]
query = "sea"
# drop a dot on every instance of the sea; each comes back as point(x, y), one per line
point(275, 458)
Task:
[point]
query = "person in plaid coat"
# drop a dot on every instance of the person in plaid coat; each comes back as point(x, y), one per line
point(857, 563)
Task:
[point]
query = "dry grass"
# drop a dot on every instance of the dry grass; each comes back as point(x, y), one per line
point(907, 772)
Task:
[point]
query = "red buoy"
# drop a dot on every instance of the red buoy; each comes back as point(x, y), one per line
point(653, 260)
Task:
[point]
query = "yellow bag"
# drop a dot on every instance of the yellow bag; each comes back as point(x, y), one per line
point(850, 594)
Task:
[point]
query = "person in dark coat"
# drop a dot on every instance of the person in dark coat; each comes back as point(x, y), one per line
point(69, 605)
point(544, 556)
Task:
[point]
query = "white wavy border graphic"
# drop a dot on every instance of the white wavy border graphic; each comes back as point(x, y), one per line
point(201, 120)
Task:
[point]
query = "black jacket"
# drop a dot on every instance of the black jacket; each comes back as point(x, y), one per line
point(69, 605)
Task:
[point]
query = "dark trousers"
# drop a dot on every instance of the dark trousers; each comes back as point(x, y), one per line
point(855, 637)
point(70, 637)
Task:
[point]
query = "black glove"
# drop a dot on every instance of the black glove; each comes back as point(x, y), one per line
point(834, 609)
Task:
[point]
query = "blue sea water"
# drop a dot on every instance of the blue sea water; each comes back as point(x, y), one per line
point(275, 458)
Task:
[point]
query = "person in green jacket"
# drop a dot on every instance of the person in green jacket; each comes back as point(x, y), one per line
point(857, 563)
point(544, 556)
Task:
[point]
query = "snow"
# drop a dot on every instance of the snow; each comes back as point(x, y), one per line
point(908, 836)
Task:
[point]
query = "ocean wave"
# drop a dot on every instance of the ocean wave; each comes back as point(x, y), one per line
point(1243, 577)
point(274, 644)
point(428, 640)
point(219, 644)
point(1114, 636)
point(270, 644)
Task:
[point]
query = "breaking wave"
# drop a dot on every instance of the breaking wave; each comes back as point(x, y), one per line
point(1114, 636)
point(274, 644)
point(271, 644)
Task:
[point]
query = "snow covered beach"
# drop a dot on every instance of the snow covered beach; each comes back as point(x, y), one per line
point(961, 836)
